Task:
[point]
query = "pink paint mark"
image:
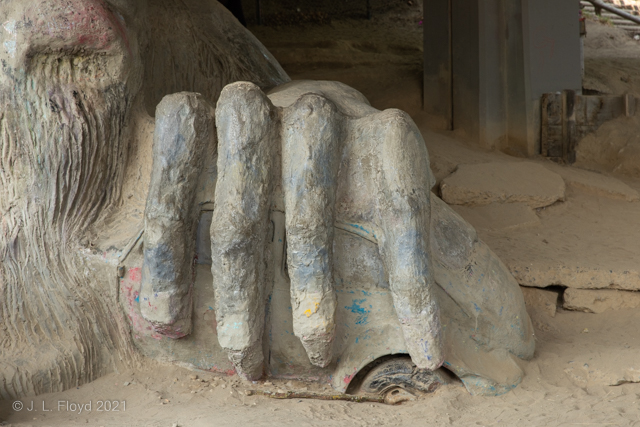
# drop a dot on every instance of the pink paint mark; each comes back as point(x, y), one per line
point(130, 294)
point(348, 378)
point(229, 372)
point(87, 23)
point(135, 274)
point(118, 23)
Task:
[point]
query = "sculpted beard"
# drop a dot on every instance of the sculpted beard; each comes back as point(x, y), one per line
point(62, 159)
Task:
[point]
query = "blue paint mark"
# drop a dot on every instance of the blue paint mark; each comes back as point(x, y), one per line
point(355, 308)
point(137, 298)
point(478, 309)
point(210, 308)
point(366, 337)
point(362, 320)
point(359, 227)
point(500, 314)
point(367, 294)
point(425, 348)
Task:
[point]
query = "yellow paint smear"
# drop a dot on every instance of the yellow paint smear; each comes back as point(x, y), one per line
point(309, 312)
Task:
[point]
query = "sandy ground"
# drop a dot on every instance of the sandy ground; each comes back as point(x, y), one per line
point(585, 364)
point(612, 60)
point(562, 387)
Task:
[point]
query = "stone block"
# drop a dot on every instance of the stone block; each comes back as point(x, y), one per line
point(599, 300)
point(498, 216)
point(540, 299)
point(595, 183)
point(503, 182)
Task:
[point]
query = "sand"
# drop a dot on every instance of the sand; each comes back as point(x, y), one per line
point(612, 60)
point(585, 367)
point(568, 383)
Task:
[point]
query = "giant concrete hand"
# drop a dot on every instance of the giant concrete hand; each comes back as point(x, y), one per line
point(319, 152)
point(332, 159)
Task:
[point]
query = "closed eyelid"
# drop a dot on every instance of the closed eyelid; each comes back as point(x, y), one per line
point(75, 24)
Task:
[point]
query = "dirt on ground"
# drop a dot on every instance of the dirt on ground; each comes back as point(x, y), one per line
point(566, 384)
point(585, 370)
point(612, 60)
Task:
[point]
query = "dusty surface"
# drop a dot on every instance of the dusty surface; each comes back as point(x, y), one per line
point(503, 182)
point(585, 364)
point(597, 301)
point(568, 383)
point(541, 299)
point(612, 60)
point(585, 242)
point(499, 216)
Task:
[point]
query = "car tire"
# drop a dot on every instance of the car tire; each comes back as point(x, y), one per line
point(398, 379)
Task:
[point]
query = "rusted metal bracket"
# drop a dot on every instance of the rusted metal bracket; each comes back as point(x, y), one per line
point(569, 126)
point(567, 117)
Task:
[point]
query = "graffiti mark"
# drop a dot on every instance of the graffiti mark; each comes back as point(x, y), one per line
point(347, 378)
point(362, 313)
point(135, 274)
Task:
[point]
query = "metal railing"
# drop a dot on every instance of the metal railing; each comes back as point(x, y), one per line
point(609, 8)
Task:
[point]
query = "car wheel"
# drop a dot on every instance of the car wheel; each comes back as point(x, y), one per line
point(398, 379)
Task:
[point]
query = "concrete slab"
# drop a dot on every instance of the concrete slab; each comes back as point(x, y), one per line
point(504, 182)
point(600, 300)
point(540, 299)
point(591, 350)
point(586, 242)
point(594, 183)
point(498, 216)
point(575, 274)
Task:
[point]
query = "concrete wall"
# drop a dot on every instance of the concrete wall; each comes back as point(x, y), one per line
point(465, 48)
point(504, 54)
point(492, 108)
point(518, 133)
point(437, 63)
point(551, 44)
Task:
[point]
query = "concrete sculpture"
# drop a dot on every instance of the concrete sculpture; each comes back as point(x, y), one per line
point(308, 190)
point(327, 146)
point(79, 79)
